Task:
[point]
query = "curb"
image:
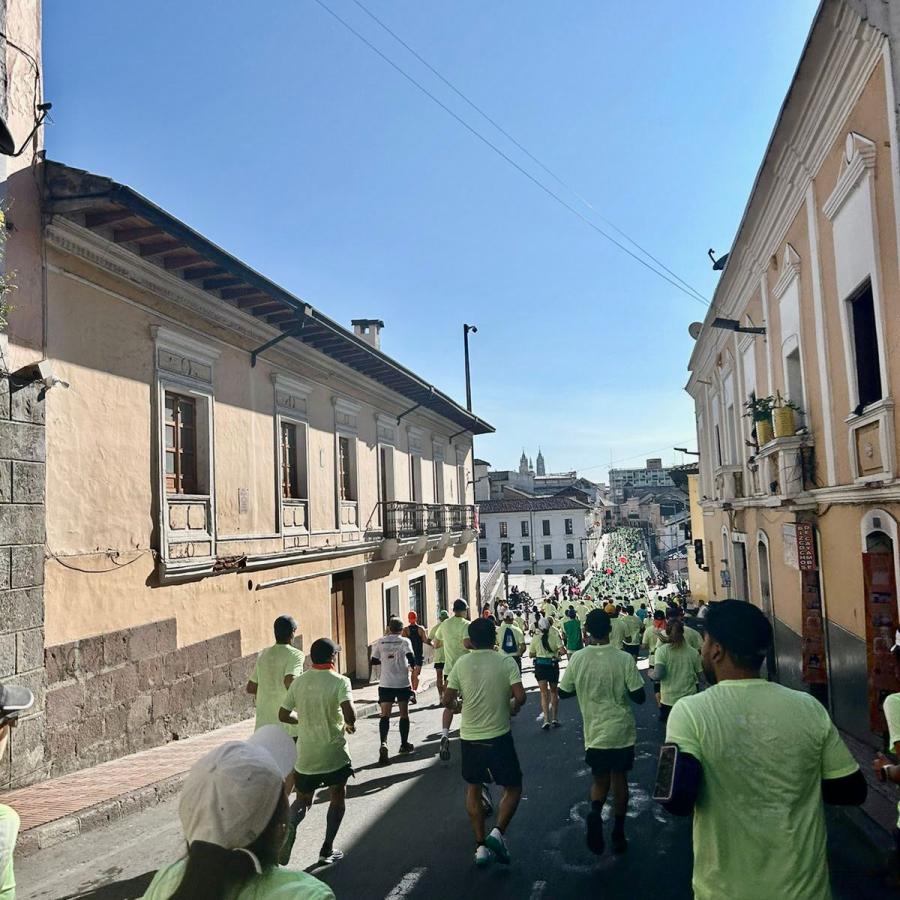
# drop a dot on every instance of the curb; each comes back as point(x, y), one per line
point(42, 837)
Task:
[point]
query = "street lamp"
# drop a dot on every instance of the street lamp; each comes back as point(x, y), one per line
point(466, 330)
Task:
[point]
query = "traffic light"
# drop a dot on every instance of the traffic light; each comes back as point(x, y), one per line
point(506, 553)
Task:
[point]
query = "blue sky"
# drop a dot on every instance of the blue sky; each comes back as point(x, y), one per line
point(273, 130)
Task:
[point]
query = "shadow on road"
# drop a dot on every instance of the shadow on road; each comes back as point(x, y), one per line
point(119, 890)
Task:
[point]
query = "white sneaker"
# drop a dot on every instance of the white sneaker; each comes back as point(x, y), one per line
point(483, 856)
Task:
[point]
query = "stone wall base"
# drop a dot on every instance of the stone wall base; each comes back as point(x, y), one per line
point(113, 694)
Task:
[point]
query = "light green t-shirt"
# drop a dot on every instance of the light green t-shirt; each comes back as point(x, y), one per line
point(651, 640)
point(272, 665)
point(632, 629)
point(693, 638)
point(759, 824)
point(438, 651)
point(683, 668)
point(517, 636)
point(451, 634)
point(617, 634)
point(483, 679)
point(276, 884)
point(602, 677)
point(317, 695)
point(892, 714)
point(9, 831)
point(536, 648)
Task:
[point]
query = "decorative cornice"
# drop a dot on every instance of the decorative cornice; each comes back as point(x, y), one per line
point(859, 159)
point(790, 270)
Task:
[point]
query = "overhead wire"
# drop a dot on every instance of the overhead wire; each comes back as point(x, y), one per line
point(537, 182)
point(557, 178)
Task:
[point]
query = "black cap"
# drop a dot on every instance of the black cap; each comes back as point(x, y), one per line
point(285, 622)
point(460, 606)
point(14, 698)
point(322, 651)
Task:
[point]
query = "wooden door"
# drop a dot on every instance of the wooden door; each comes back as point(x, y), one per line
point(343, 621)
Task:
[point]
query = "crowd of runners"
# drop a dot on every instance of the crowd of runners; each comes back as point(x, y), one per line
point(742, 750)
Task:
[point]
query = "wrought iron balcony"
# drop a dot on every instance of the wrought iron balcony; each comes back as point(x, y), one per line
point(402, 520)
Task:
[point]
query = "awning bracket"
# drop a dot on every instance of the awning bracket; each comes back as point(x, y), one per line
point(294, 331)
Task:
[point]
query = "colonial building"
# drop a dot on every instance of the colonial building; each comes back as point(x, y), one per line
point(803, 521)
point(218, 452)
point(549, 535)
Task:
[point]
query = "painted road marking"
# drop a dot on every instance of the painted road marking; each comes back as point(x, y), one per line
point(406, 885)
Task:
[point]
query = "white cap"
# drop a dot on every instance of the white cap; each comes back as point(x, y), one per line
point(231, 793)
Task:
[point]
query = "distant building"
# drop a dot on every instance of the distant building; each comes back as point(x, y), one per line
point(653, 475)
point(549, 535)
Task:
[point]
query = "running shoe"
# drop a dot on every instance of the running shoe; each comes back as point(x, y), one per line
point(545, 726)
point(412, 699)
point(445, 748)
point(383, 755)
point(483, 856)
point(619, 842)
point(497, 845)
point(595, 840)
point(407, 748)
point(327, 857)
point(556, 723)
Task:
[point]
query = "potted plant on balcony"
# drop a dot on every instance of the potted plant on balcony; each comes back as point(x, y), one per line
point(784, 416)
point(759, 409)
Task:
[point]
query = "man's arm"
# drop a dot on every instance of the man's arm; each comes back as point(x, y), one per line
point(349, 715)
point(450, 697)
point(637, 696)
point(519, 697)
point(686, 785)
point(287, 716)
point(851, 790)
point(660, 671)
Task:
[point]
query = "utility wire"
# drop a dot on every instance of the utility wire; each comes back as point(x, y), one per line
point(508, 159)
point(611, 464)
point(524, 149)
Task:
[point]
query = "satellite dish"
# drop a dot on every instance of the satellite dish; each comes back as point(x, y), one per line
point(694, 329)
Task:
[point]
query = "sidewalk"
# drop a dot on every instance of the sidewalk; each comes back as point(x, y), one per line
point(58, 809)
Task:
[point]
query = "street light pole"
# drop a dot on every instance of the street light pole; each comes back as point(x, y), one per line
point(466, 330)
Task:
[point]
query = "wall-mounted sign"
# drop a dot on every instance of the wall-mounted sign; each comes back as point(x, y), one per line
point(806, 547)
point(789, 539)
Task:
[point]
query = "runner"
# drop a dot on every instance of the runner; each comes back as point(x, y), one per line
point(394, 653)
point(573, 632)
point(275, 669)
point(676, 670)
point(510, 639)
point(418, 637)
point(546, 649)
point(606, 682)
point(491, 686)
point(438, 655)
point(14, 700)
point(320, 702)
point(755, 753)
point(692, 637)
point(233, 813)
point(452, 636)
point(617, 625)
point(631, 642)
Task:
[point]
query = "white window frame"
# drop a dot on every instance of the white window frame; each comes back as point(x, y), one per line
point(346, 424)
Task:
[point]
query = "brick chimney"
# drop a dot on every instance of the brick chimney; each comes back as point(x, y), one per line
point(369, 330)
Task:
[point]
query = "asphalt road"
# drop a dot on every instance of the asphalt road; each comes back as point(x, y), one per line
point(406, 834)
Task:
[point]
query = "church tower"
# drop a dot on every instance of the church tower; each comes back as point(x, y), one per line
point(523, 464)
point(541, 466)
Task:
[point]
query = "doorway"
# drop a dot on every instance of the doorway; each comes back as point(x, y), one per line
point(343, 622)
point(739, 583)
point(765, 599)
point(417, 599)
point(391, 602)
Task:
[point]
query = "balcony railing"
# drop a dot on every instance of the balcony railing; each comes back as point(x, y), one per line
point(409, 520)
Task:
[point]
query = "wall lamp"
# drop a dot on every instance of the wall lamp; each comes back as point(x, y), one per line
point(734, 325)
point(685, 450)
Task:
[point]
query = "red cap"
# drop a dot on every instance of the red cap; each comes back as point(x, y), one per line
point(412, 616)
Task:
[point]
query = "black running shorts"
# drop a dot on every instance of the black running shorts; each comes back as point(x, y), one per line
point(602, 762)
point(491, 760)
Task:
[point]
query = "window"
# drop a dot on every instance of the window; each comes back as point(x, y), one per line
point(181, 444)
point(386, 474)
point(438, 481)
point(548, 551)
point(524, 529)
point(415, 478)
point(793, 377)
point(482, 554)
point(526, 553)
point(546, 526)
point(345, 462)
point(482, 531)
point(417, 602)
point(569, 529)
point(440, 587)
point(293, 460)
point(464, 581)
point(865, 346)
point(503, 530)
point(570, 551)
point(548, 571)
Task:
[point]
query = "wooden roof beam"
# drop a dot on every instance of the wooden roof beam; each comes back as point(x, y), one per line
point(157, 248)
point(123, 235)
point(256, 299)
point(236, 292)
point(96, 219)
point(183, 259)
point(221, 281)
point(206, 271)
